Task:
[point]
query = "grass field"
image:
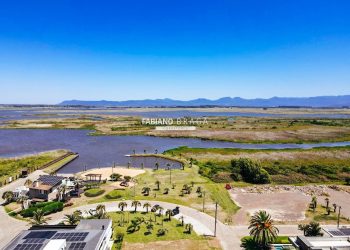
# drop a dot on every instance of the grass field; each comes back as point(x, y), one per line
point(214, 192)
point(320, 215)
point(285, 166)
point(54, 167)
point(175, 230)
point(240, 129)
point(13, 166)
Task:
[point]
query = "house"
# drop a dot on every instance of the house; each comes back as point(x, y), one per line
point(320, 243)
point(334, 239)
point(87, 235)
point(20, 191)
point(45, 188)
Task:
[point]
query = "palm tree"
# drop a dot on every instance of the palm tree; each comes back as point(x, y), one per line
point(101, 212)
point(311, 229)
point(169, 213)
point(182, 220)
point(147, 205)
point(134, 151)
point(149, 227)
point(61, 193)
point(262, 229)
point(314, 203)
point(160, 210)
point(334, 207)
point(144, 151)
point(166, 190)
point(8, 196)
point(122, 205)
point(39, 218)
point(22, 199)
point(158, 184)
point(71, 219)
point(162, 231)
point(135, 204)
point(156, 151)
point(189, 228)
point(157, 165)
point(327, 203)
point(154, 210)
point(146, 191)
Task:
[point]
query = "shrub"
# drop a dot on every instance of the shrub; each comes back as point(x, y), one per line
point(115, 194)
point(47, 208)
point(250, 171)
point(94, 192)
point(347, 181)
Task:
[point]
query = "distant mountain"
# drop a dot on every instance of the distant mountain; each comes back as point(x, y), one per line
point(318, 101)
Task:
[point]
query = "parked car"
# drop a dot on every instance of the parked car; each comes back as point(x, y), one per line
point(176, 210)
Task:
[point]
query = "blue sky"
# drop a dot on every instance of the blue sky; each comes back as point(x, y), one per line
point(134, 49)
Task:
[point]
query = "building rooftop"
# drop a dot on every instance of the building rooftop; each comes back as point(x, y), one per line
point(321, 243)
point(338, 232)
point(50, 180)
point(86, 236)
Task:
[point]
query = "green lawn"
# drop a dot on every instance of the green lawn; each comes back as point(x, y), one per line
point(320, 215)
point(94, 192)
point(174, 229)
point(213, 192)
point(279, 240)
point(13, 166)
point(54, 167)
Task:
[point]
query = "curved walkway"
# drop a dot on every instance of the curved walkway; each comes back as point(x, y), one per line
point(202, 223)
point(9, 226)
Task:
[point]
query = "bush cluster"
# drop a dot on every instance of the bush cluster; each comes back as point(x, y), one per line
point(250, 171)
point(93, 192)
point(47, 207)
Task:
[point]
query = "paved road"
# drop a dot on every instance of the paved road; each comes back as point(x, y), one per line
point(9, 226)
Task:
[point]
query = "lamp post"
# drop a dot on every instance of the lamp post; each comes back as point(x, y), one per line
point(216, 217)
point(338, 216)
point(203, 200)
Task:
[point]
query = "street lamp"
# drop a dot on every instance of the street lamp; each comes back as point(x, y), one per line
point(338, 216)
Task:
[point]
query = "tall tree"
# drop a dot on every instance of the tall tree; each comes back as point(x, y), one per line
point(311, 229)
point(122, 205)
point(135, 204)
point(147, 205)
point(39, 218)
point(262, 229)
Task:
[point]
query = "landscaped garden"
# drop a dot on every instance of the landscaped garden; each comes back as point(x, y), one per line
point(185, 187)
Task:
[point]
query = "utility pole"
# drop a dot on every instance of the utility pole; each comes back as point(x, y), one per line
point(338, 216)
point(170, 174)
point(203, 200)
point(216, 217)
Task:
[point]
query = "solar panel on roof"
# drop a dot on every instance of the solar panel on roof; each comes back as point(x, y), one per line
point(28, 246)
point(77, 246)
point(336, 233)
point(51, 180)
point(34, 240)
point(40, 234)
point(345, 231)
point(71, 236)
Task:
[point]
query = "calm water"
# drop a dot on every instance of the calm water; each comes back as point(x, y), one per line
point(97, 151)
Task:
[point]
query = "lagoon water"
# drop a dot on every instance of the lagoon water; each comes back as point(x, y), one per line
point(95, 151)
